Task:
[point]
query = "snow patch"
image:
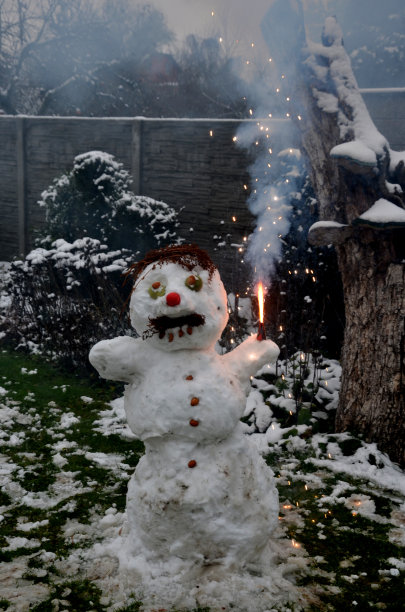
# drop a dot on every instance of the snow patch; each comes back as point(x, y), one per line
point(384, 212)
point(356, 151)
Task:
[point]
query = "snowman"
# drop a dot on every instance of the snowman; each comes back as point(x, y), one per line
point(201, 496)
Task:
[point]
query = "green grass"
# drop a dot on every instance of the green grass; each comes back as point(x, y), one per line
point(51, 384)
point(79, 595)
point(43, 398)
point(348, 553)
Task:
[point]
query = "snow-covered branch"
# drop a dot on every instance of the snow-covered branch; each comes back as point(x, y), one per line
point(362, 151)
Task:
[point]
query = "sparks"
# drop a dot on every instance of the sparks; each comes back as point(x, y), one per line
point(261, 334)
point(260, 298)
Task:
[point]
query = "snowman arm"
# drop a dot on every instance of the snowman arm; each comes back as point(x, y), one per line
point(247, 358)
point(121, 358)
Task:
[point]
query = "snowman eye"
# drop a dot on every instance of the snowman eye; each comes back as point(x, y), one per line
point(193, 282)
point(156, 290)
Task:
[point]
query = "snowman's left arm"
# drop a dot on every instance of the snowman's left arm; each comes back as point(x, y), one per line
point(247, 358)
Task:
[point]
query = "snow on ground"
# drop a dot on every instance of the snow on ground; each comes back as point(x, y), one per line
point(64, 467)
point(66, 457)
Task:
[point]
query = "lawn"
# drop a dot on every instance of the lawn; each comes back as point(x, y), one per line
point(66, 456)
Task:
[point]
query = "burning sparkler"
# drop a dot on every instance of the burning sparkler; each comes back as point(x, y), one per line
point(261, 333)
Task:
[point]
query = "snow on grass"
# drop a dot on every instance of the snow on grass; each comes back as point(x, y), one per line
point(67, 455)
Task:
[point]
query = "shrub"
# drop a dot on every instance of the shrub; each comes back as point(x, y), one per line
point(94, 199)
point(302, 390)
point(66, 298)
point(69, 293)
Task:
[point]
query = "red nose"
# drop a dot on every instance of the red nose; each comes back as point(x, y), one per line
point(173, 299)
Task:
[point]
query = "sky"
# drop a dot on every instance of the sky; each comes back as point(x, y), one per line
point(207, 16)
point(237, 25)
point(232, 20)
point(239, 20)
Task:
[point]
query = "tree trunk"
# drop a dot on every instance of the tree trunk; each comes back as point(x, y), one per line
point(373, 370)
point(348, 180)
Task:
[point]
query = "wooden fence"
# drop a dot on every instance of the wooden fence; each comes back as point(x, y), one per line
point(192, 164)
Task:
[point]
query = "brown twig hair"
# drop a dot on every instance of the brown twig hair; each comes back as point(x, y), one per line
point(186, 255)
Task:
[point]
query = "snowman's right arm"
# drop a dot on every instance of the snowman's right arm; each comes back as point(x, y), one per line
point(121, 358)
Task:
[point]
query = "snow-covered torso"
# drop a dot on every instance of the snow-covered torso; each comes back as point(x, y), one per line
point(183, 387)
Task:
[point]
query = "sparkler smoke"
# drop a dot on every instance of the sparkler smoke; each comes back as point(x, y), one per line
point(272, 176)
point(281, 30)
point(272, 184)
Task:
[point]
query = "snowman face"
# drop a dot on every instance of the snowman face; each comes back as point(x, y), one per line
point(174, 308)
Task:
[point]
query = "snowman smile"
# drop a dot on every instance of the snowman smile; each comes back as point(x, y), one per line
point(161, 324)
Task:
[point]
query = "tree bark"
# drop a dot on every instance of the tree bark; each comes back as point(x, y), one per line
point(373, 369)
point(371, 260)
point(371, 400)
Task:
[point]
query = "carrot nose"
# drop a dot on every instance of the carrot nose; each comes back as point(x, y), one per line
point(173, 299)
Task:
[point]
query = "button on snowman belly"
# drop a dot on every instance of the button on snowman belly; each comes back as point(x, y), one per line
point(193, 422)
point(206, 413)
point(196, 407)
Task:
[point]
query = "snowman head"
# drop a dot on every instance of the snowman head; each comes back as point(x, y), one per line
point(178, 300)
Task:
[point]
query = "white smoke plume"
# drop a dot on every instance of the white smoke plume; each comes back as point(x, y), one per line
point(277, 161)
point(258, 33)
point(272, 182)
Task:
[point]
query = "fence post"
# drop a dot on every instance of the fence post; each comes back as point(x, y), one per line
point(137, 154)
point(21, 187)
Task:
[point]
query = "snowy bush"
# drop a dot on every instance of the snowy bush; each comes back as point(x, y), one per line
point(69, 291)
point(302, 390)
point(94, 199)
point(66, 297)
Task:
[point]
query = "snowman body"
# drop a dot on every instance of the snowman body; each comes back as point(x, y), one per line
point(183, 387)
point(201, 494)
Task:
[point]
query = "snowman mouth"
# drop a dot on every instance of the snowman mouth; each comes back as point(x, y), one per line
point(161, 324)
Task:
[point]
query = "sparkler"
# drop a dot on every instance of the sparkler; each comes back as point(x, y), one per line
point(261, 333)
